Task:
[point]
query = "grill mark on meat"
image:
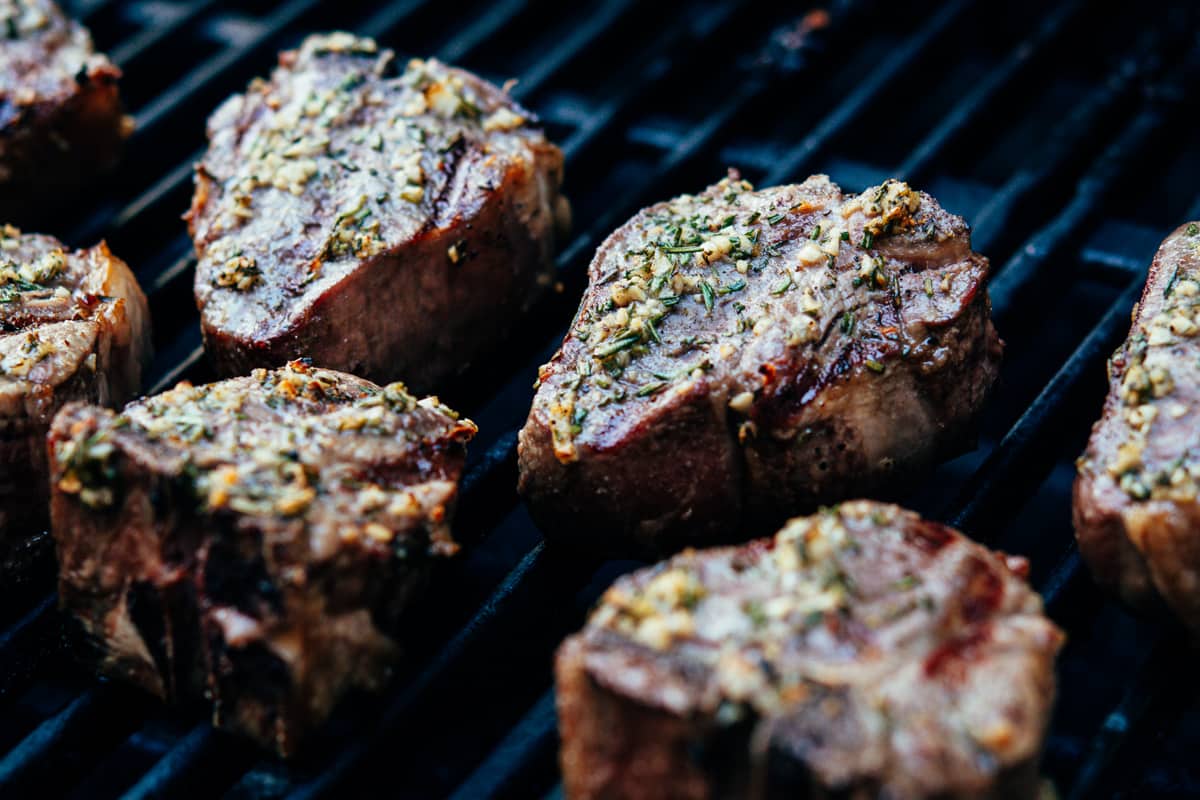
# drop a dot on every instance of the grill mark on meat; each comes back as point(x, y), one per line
point(930, 536)
point(951, 660)
point(983, 592)
point(443, 212)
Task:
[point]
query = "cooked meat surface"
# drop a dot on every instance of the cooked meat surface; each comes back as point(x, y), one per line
point(253, 542)
point(60, 113)
point(1137, 518)
point(73, 326)
point(740, 355)
point(389, 220)
point(861, 652)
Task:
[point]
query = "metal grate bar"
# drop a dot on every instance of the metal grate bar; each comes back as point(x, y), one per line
point(164, 779)
point(571, 46)
point(1033, 260)
point(1166, 666)
point(137, 46)
point(984, 93)
point(1066, 140)
point(24, 644)
point(799, 158)
point(482, 29)
point(1063, 576)
point(34, 751)
point(977, 506)
point(529, 738)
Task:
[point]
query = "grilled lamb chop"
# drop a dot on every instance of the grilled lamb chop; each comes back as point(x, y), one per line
point(861, 652)
point(73, 326)
point(388, 221)
point(60, 113)
point(253, 542)
point(739, 356)
point(1137, 518)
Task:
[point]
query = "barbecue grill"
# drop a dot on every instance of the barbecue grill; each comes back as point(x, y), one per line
point(1060, 130)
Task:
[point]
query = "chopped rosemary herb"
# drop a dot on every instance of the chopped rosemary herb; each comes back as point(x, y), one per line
point(774, 219)
point(706, 290)
point(617, 345)
point(756, 613)
point(653, 331)
point(848, 323)
point(651, 388)
point(1193, 229)
point(1170, 287)
point(874, 365)
point(868, 240)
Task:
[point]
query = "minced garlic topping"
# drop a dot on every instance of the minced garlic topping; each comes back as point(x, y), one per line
point(1148, 396)
point(21, 18)
point(346, 141)
point(717, 254)
point(243, 457)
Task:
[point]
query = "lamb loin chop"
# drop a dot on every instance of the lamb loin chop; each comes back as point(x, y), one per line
point(60, 113)
point(253, 542)
point(1137, 518)
point(73, 326)
point(382, 219)
point(740, 355)
point(861, 652)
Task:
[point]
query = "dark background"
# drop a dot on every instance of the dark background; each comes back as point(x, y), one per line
point(1064, 132)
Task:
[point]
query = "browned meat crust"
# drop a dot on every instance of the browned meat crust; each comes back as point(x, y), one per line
point(1137, 519)
point(253, 542)
point(60, 113)
point(742, 355)
point(73, 326)
point(389, 221)
point(862, 652)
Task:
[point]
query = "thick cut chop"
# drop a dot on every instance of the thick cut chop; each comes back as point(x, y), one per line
point(389, 220)
point(862, 652)
point(1137, 517)
point(73, 326)
point(253, 542)
point(742, 355)
point(60, 113)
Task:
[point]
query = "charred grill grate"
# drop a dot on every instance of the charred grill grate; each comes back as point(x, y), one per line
point(1060, 131)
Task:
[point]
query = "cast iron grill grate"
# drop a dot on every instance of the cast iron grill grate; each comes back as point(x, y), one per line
point(1060, 131)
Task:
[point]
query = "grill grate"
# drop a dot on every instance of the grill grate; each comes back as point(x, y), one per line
point(1056, 130)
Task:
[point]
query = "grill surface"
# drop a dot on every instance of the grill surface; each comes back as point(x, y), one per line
point(1060, 133)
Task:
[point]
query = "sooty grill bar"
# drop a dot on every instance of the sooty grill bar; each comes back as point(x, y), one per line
point(1052, 127)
